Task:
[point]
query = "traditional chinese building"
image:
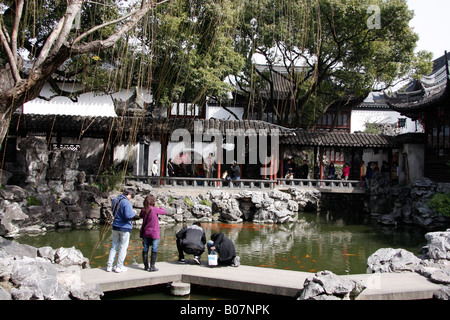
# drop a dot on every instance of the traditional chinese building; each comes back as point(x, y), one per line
point(109, 130)
point(427, 100)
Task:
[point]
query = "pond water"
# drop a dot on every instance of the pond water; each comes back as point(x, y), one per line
point(338, 243)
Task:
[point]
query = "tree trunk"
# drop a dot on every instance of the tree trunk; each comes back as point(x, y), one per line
point(14, 91)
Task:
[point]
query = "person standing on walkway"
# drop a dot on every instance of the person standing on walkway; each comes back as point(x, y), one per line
point(150, 231)
point(331, 172)
point(346, 171)
point(305, 170)
point(123, 213)
point(170, 168)
point(208, 166)
point(225, 248)
point(155, 168)
point(191, 240)
point(235, 171)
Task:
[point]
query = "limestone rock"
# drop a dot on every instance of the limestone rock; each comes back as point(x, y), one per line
point(441, 276)
point(14, 193)
point(11, 215)
point(33, 157)
point(4, 295)
point(12, 248)
point(438, 245)
point(325, 285)
point(200, 211)
point(70, 256)
point(387, 260)
point(36, 276)
point(442, 294)
point(53, 275)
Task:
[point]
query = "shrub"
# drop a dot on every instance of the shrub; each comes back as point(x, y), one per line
point(188, 201)
point(205, 203)
point(33, 201)
point(111, 179)
point(440, 203)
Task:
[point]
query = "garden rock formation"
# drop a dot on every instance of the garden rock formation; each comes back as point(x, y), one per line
point(49, 191)
point(394, 204)
point(325, 285)
point(28, 273)
point(434, 263)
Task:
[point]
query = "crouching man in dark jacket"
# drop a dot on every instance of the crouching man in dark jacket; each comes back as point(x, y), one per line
point(191, 240)
point(225, 248)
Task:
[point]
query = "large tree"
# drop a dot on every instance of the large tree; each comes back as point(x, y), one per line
point(323, 53)
point(49, 33)
point(193, 51)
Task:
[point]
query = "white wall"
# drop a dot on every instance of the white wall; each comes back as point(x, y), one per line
point(221, 113)
point(361, 117)
point(88, 104)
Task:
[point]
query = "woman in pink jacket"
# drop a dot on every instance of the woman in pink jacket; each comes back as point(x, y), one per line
point(346, 171)
point(150, 231)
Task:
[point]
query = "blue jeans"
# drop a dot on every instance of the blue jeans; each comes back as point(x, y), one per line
point(209, 244)
point(149, 241)
point(119, 238)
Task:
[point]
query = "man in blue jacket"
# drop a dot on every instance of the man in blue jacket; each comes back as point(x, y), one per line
point(123, 213)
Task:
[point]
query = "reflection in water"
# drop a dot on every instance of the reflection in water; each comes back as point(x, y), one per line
point(315, 243)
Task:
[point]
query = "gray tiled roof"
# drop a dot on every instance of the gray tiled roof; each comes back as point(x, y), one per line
point(341, 139)
point(77, 126)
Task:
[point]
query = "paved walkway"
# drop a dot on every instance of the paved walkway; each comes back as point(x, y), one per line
point(393, 286)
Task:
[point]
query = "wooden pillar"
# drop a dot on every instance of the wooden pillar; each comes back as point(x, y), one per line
point(361, 154)
point(163, 140)
point(282, 161)
point(353, 165)
point(321, 162)
point(106, 154)
point(219, 153)
point(390, 159)
point(272, 164)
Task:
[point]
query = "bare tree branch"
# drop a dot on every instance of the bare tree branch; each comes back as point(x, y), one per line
point(84, 35)
point(102, 44)
point(15, 31)
point(58, 35)
point(12, 62)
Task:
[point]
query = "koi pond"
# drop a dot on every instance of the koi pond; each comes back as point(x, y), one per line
point(338, 243)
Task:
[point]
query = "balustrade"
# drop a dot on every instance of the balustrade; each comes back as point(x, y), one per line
point(191, 182)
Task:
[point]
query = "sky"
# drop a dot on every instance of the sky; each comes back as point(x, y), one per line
point(431, 22)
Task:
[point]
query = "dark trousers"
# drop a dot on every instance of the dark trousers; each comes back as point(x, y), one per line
point(183, 249)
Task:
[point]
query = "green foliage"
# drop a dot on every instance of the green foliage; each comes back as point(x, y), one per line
point(33, 201)
point(188, 201)
point(206, 203)
point(372, 128)
point(185, 50)
point(111, 179)
point(440, 203)
point(193, 51)
point(337, 57)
